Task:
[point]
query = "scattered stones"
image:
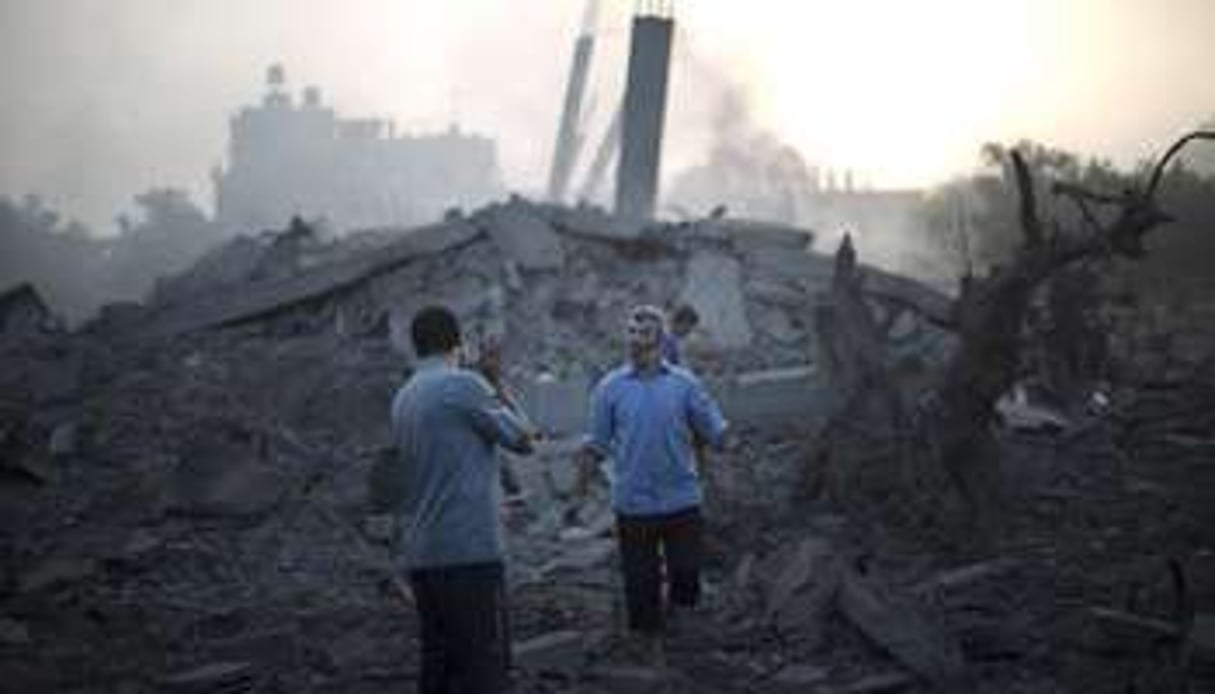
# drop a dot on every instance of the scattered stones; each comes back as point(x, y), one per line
point(631, 679)
point(805, 588)
point(525, 238)
point(209, 678)
point(264, 560)
point(556, 652)
point(13, 632)
point(58, 572)
point(909, 629)
point(714, 288)
point(1118, 632)
point(798, 678)
point(64, 441)
point(881, 683)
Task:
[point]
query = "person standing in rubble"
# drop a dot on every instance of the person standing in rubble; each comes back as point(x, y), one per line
point(684, 320)
point(447, 422)
point(645, 416)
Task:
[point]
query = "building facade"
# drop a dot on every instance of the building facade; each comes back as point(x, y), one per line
point(287, 159)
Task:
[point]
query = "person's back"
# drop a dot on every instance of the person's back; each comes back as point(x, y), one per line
point(446, 423)
point(450, 468)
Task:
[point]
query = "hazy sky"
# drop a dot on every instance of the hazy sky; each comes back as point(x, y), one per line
point(105, 98)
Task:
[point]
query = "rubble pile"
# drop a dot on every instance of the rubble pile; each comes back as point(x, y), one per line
point(185, 509)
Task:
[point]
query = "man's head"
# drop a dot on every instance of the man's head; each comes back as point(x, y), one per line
point(684, 320)
point(435, 332)
point(642, 334)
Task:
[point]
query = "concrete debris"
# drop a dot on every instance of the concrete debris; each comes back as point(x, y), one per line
point(596, 223)
point(65, 440)
point(631, 679)
point(209, 678)
point(714, 288)
point(13, 632)
point(556, 652)
point(805, 588)
point(1019, 413)
point(223, 487)
point(524, 238)
point(205, 459)
point(1119, 632)
point(586, 555)
point(1201, 638)
point(881, 684)
point(797, 678)
point(56, 572)
point(908, 629)
point(961, 577)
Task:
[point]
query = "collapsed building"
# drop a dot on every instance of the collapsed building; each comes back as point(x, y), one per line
point(287, 159)
point(191, 477)
point(553, 283)
point(186, 501)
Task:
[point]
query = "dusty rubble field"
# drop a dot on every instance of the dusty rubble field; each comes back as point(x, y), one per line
point(188, 514)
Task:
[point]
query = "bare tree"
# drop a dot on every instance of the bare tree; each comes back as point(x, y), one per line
point(987, 317)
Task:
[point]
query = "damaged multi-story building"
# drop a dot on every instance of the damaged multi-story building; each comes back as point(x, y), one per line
point(303, 159)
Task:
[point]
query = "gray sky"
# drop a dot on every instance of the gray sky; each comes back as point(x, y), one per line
point(105, 98)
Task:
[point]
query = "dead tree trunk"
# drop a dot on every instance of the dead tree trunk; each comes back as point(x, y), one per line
point(855, 364)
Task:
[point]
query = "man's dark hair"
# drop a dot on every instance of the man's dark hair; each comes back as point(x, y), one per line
point(685, 315)
point(435, 330)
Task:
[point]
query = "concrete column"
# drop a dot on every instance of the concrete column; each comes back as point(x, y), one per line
point(645, 104)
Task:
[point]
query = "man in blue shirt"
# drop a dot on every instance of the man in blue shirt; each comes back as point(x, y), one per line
point(645, 416)
point(447, 422)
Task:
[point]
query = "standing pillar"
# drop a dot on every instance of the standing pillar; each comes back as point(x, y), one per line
point(645, 105)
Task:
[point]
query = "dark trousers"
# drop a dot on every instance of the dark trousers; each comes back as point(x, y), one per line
point(464, 631)
point(651, 546)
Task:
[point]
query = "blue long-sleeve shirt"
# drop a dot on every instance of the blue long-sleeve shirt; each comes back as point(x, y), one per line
point(446, 423)
point(646, 423)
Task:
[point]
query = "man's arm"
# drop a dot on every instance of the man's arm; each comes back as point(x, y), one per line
point(597, 444)
point(705, 417)
point(492, 418)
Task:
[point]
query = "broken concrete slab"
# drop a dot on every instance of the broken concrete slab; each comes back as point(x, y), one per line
point(747, 234)
point(964, 576)
point(258, 299)
point(881, 683)
point(1019, 414)
point(773, 396)
point(803, 592)
point(777, 325)
point(14, 633)
point(1200, 641)
point(559, 406)
point(780, 263)
point(934, 305)
point(766, 290)
point(208, 678)
point(64, 441)
point(910, 631)
point(596, 223)
point(525, 238)
point(631, 679)
point(58, 572)
point(713, 287)
point(792, 679)
point(1117, 632)
point(586, 554)
point(229, 487)
point(555, 652)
